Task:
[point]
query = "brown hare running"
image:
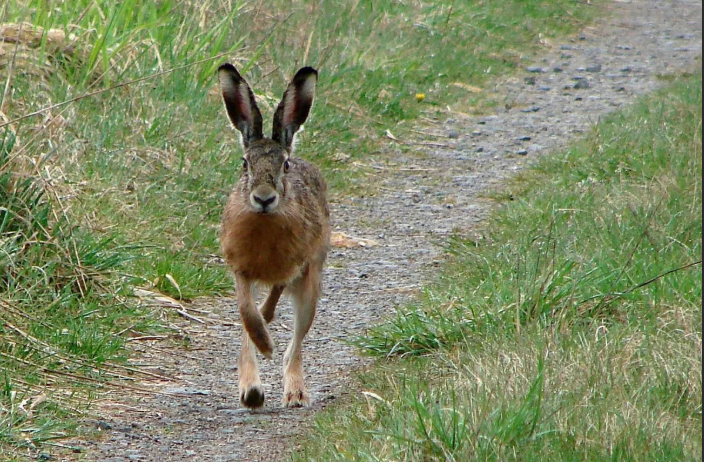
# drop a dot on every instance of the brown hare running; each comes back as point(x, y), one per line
point(275, 229)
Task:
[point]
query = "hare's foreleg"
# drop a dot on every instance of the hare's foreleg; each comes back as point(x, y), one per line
point(251, 390)
point(305, 292)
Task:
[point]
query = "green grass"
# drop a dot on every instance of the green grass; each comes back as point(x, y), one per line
point(571, 332)
point(124, 189)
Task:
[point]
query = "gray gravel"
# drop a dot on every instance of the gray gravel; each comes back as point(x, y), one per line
point(422, 198)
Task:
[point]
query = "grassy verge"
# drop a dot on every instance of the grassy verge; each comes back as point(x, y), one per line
point(125, 188)
point(572, 332)
point(61, 309)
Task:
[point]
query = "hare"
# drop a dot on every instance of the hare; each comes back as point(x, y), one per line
point(275, 229)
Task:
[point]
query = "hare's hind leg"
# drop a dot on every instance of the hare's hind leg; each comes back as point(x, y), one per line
point(305, 292)
point(269, 307)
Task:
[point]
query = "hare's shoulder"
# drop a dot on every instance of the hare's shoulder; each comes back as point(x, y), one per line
point(310, 187)
point(308, 175)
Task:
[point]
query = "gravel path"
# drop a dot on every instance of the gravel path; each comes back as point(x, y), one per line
point(422, 198)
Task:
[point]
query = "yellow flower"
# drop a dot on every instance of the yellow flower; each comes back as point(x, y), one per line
point(420, 97)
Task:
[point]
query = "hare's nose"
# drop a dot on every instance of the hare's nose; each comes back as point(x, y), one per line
point(265, 202)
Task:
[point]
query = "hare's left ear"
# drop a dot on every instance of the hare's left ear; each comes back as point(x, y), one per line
point(295, 106)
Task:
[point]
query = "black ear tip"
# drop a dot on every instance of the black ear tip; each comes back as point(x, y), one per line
point(305, 73)
point(229, 68)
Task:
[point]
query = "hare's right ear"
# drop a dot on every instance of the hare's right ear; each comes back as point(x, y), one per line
point(241, 107)
point(295, 106)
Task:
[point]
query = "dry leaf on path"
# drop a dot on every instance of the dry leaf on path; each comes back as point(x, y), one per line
point(342, 240)
point(157, 299)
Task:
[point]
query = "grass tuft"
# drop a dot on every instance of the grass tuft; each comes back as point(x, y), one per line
point(58, 318)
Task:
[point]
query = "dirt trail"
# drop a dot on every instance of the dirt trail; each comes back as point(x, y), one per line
point(421, 199)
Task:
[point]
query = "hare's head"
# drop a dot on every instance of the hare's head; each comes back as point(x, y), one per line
point(266, 160)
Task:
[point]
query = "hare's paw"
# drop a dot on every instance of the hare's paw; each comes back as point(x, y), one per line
point(297, 398)
point(295, 394)
point(252, 397)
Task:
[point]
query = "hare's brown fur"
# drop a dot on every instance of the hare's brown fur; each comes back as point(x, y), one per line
point(275, 229)
point(274, 248)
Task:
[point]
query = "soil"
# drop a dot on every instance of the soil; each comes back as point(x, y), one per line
point(422, 197)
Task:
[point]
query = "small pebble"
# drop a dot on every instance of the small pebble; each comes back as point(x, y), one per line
point(534, 69)
point(529, 80)
point(565, 47)
point(626, 69)
point(544, 88)
point(102, 425)
point(581, 85)
point(595, 68)
point(621, 89)
point(480, 149)
point(579, 98)
point(524, 138)
point(44, 456)
point(624, 47)
point(523, 152)
point(558, 70)
point(453, 135)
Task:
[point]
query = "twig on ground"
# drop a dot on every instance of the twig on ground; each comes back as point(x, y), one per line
point(147, 338)
point(190, 316)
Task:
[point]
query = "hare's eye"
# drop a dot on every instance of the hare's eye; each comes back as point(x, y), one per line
point(287, 166)
point(245, 164)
